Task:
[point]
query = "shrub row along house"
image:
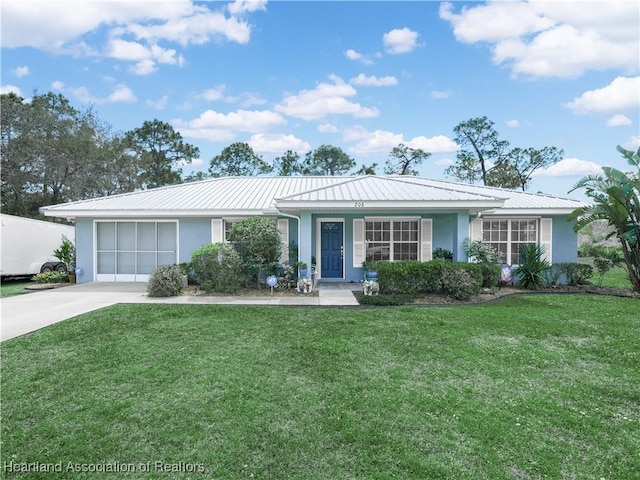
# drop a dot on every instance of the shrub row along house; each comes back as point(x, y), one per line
point(337, 222)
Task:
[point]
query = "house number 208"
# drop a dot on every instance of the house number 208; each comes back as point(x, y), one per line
point(359, 204)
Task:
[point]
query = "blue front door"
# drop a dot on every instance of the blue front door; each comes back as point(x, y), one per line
point(331, 249)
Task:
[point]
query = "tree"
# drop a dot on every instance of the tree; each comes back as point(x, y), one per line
point(258, 242)
point(402, 159)
point(616, 199)
point(480, 147)
point(367, 169)
point(238, 160)
point(288, 164)
point(327, 160)
point(195, 177)
point(520, 164)
point(160, 151)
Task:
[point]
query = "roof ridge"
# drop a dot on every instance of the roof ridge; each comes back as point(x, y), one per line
point(323, 187)
point(408, 180)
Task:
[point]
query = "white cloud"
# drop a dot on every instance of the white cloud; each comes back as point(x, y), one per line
point(357, 57)
point(218, 127)
point(400, 40)
point(325, 99)
point(327, 128)
point(374, 143)
point(21, 71)
point(570, 167)
point(618, 120)
point(437, 144)
point(6, 89)
point(440, 94)
point(632, 143)
point(513, 123)
point(363, 80)
point(621, 94)
point(238, 7)
point(382, 141)
point(213, 94)
point(552, 39)
point(121, 94)
point(277, 143)
point(29, 24)
point(159, 104)
point(146, 57)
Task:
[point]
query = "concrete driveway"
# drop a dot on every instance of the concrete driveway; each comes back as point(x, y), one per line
point(32, 311)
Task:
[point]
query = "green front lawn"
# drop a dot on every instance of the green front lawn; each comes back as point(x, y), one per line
point(531, 386)
point(9, 288)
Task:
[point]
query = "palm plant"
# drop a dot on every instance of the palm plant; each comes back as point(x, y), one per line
point(616, 199)
point(533, 270)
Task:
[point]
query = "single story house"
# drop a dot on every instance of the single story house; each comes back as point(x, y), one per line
point(337, 222)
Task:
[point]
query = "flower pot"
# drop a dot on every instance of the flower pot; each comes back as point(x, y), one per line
point(303, 272)
point(72, 278)
point(372, 275)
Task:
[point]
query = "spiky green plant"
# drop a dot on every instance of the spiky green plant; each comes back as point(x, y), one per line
point(616, 199)
point(533, 271)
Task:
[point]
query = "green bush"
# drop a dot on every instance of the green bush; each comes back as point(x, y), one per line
point(533, 271)
point(217, 267)
point(481, 252)
point(411, 277)
point(257, 240)
point(50, 277)
point(459, 284)
point(165, 281)
point(576, 273)
point(490, 275)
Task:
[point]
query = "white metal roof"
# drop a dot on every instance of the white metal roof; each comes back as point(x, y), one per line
point(264, 195)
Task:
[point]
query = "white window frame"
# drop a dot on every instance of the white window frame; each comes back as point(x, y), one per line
point(392, 220)
point(511, 243)
point(134, 277)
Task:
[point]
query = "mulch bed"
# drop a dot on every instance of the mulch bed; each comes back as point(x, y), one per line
point(488, 296)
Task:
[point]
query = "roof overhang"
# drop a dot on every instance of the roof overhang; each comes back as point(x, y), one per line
point(154, 213)
point(528, 211)
point(386, 205)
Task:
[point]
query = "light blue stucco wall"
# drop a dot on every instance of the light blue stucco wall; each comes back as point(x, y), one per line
point(193, 233)
point(84, 249)
point(564, 241)
point(449, 232)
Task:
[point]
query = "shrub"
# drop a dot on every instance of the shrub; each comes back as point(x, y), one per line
point(165, 281)
point(481, 252)
point(532, 273)
point(576, 273)
point(258, 242)
point(217, 267)
point(50, 277)
point(459, 284)
point(410, 277)
point(443, 254)
point(606, 262)
point(490, 275)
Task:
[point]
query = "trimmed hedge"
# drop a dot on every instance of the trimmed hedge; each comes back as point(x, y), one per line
point(411, 277)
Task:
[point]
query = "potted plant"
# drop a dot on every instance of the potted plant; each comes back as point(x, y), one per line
point(66, 253)
point(302, 269)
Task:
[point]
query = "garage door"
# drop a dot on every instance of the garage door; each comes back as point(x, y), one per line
point(131, 251)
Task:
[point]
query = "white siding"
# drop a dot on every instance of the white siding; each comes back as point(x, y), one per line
point(283, 228)
point(358, 242)
point(546, 234)
point(426, 242)
point(476, 230)
point(217, 230)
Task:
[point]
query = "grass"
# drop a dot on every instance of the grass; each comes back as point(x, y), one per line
point(10, 288)
point(531, 386)
point(616, 278)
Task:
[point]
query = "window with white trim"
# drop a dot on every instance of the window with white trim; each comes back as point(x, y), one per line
point(387, 239)
point(227, 229)
point(507, 236)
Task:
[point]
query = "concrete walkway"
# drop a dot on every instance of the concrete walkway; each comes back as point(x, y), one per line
point(29, 312)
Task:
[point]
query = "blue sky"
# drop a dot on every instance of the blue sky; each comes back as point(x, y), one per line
point(364, 76)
